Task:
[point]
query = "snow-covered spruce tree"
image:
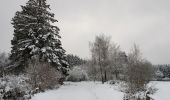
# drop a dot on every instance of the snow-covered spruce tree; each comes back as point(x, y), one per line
point(35, 35)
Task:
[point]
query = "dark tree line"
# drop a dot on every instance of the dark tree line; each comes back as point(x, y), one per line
point(163, 71)
point(74, 60)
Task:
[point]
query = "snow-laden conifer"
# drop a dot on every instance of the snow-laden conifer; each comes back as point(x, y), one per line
point(36, 35)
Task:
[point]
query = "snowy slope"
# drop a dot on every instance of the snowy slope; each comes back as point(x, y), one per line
point(81, 91)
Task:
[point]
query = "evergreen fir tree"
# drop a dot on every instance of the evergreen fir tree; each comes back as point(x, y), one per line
point(35, 35)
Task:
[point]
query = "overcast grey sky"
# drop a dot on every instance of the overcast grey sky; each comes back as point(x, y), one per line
point(144, 22)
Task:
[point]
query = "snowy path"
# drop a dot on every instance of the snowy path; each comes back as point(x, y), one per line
point(81, 91)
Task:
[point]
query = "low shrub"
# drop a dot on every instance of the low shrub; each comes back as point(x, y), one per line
point(14, 88)
point(42, 76)
point(77, 75)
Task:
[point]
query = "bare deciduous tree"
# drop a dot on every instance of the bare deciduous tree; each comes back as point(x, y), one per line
point(93, 70)
point(117, 59)
point(107, 58)
point(139, 71)
point(99, 50)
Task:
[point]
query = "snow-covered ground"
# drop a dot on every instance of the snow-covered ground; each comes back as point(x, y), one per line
point(81, 91)
point(97, 91)
point(163, 92)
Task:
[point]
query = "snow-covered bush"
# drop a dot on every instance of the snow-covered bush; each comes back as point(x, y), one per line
point(77, 74)
point(162, 73)
point(4, 61)
point(158, 75)
point(39, 77)
point(116, 82)
point(14, 88)
point(93, 71)
point(139, 95)
point(42, 76)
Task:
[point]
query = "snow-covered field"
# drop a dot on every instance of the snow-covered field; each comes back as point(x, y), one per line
point(96, 91)
point(81, 91)
point(163, 92)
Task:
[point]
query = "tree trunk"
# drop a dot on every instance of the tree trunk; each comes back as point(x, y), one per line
point(101, 72)
point(105, 76)
point(116, 74)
